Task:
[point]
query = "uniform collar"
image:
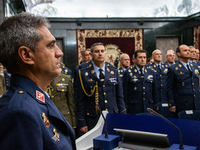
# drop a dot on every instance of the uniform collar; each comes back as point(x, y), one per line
point(124, 69)
point(96, 69)
point(139, 69)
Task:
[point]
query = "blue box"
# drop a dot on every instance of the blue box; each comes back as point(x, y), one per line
point(106, 143)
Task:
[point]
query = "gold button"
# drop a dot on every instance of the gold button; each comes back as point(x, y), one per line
point(63, 90)
point(160, 75)
point(194, 95)
point(161, 89)
point(104, 93)
point(143, 92)
point(20, 92)
point(87, 113)
point(193, 89)
point(143, 98)
point(192, 83)
point(106, 101)
point(161, 85)
point(143, 87)
point(151, 81)
point(114, 83)
point(160, 80)
point(103, 85)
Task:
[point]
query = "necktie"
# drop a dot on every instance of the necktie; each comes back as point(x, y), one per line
point(141, 73)
point(101, 75)
point(159, 67)
point(189, 70)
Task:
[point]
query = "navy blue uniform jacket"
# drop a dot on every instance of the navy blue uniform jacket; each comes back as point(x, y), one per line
point(161, 76)
point(30, 121)
point(183, 90)
point(139, 94)
point(110, 94)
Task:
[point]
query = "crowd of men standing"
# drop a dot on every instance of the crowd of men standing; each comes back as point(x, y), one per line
point(98, 85)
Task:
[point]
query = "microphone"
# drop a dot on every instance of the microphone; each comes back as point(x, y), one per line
point(106, 130)
point(159, 115)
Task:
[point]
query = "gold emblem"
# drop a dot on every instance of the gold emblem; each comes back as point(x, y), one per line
point(162, 65)
point(176, 68)
point(46, 120)
point(145, 70)
point(90, 65)
point(135, 70)
point(134, 77)
point(20, 92)
point(92, 71)
point(129, 70)
point(56, 137)
point(154, 66)
point(180, 65)
point(108, 69)
point(66, 71)
point(135, 88)
point(112, 72)
point(86, 73)
point(196, 71)
point(121, 70)
point(166, 66)
point(63, 79)
point(181, 73)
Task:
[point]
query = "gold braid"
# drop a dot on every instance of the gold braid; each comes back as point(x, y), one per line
point(93, 90)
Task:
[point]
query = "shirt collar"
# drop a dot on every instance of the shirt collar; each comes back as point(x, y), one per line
point(124, 68)
point(139, 69)
point(185, 64)
point(96, 69)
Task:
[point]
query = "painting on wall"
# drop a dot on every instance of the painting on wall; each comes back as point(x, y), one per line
point(115, 42)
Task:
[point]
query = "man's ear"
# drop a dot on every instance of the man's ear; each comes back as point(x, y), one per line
point(178, 54)
point(26, 55)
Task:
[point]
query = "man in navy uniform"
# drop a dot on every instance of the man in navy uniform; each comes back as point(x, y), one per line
point(139, 85)
point(125, 62)
point(29, 120)
point(183, 83)
point(100, 86)
point(170, 58)
point(65, 70)
point(161, 74)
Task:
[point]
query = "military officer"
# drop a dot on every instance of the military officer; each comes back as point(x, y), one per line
point(65, 70)
point(170, 58)
point(29, 120)
point(125, 63)
point(61, 92)
point(139, 85)
point(161, 74)
point(100, 86)
point(183, 83)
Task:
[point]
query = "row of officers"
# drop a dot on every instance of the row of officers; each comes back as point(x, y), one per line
point(98, 85)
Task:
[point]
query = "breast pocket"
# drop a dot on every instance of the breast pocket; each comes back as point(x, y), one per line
point(112, 87)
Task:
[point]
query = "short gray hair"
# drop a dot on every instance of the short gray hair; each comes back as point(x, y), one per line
point(95, 44)
point(16, 31)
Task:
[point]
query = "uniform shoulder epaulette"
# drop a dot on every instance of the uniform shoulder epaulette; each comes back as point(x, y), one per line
point(19, 94)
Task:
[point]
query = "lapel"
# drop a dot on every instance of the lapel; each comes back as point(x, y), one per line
point(145, 74)
point(135, 72)
point(107, 72)
point(91, 72)
point(180, 65)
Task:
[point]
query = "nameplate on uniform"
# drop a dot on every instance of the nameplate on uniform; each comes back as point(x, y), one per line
point(112, 79)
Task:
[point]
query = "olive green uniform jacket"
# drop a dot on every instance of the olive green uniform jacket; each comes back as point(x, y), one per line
point(61, 92)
